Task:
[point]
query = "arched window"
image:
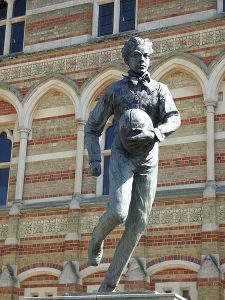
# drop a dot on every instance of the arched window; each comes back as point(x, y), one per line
point(19, 8)
point(109, 136)
point(3, 9)
point(5, 157)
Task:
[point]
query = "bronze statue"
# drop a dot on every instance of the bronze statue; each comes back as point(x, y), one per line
point(144, 114)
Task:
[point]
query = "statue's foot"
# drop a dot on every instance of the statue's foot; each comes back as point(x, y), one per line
point(104, 288)
point(95, 252)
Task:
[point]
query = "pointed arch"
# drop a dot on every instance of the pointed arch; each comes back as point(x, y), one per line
point(91, 270)
point(101, 79)
point(217, 71)
point(186, 62)
point(13, 96)
point(59, 82)
point(38, 271)
point(171, 264)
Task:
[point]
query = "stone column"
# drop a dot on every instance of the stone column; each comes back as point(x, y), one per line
point(24, 132)
point(210, 188)
point(79, 157)
point(14, 213)
point(70, 277)
point(209, 274)
point(209, 222)
point(209, 278)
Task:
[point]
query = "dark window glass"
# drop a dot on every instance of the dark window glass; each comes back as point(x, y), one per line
point(2, 39)
point(5, 148)
point(224, 5)
point(109, 137)
point(19, 8)
point(127, 15)
point(105, 21)
point(4, 178)
point(106, 175)
point(3, 9)
point(17, 35)
point(185, 294)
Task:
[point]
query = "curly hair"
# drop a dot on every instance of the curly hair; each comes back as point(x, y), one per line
point(132, 43)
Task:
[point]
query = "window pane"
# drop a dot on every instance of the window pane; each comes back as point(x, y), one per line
point(106, 175)
point(127, 15)
point(185, 294)
point(4, 177)
point(17, 35)
point(2, 39)
point(19, 8)
point(224, 5)
point(5, 148)
point(3, 9)
point(109, 136)
point(105, 21)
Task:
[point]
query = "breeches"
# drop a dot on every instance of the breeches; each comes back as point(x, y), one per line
point(133, 182)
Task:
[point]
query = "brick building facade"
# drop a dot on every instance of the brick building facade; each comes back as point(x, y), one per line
point(55, 63)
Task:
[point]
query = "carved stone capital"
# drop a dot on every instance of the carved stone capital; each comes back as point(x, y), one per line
point(24, 132)
point(15, 208)
point(210, 102)
point(75, 202)
point(210, 189)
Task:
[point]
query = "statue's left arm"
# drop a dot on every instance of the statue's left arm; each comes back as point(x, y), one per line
point(95, 124)
point(169, 115)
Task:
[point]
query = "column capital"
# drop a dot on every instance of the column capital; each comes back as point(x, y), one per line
point(210, 189)
point(24, 132)
point(80, 123)
point(210, 102)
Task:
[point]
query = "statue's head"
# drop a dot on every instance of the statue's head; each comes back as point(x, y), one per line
point(136, 52)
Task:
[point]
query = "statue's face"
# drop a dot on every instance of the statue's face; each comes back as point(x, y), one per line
point(139, 60)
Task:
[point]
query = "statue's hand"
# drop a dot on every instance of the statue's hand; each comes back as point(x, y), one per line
point(95, 168)
point(143, 135)
point(144, 138)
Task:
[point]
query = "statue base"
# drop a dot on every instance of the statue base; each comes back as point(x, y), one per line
point(117, 296)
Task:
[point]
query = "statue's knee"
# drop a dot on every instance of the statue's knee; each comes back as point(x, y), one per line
point(142, 222)
point(119, 217)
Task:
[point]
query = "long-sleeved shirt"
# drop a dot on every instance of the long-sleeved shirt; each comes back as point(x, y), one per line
point(150, 96)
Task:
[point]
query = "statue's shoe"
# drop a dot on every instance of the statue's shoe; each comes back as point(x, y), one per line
point(105, 287)
point(95, 252)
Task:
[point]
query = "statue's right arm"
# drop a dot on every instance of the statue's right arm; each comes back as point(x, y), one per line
point(93, 130)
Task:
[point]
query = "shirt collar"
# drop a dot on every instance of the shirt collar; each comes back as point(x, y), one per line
point(145, 76)
point(144, 79)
